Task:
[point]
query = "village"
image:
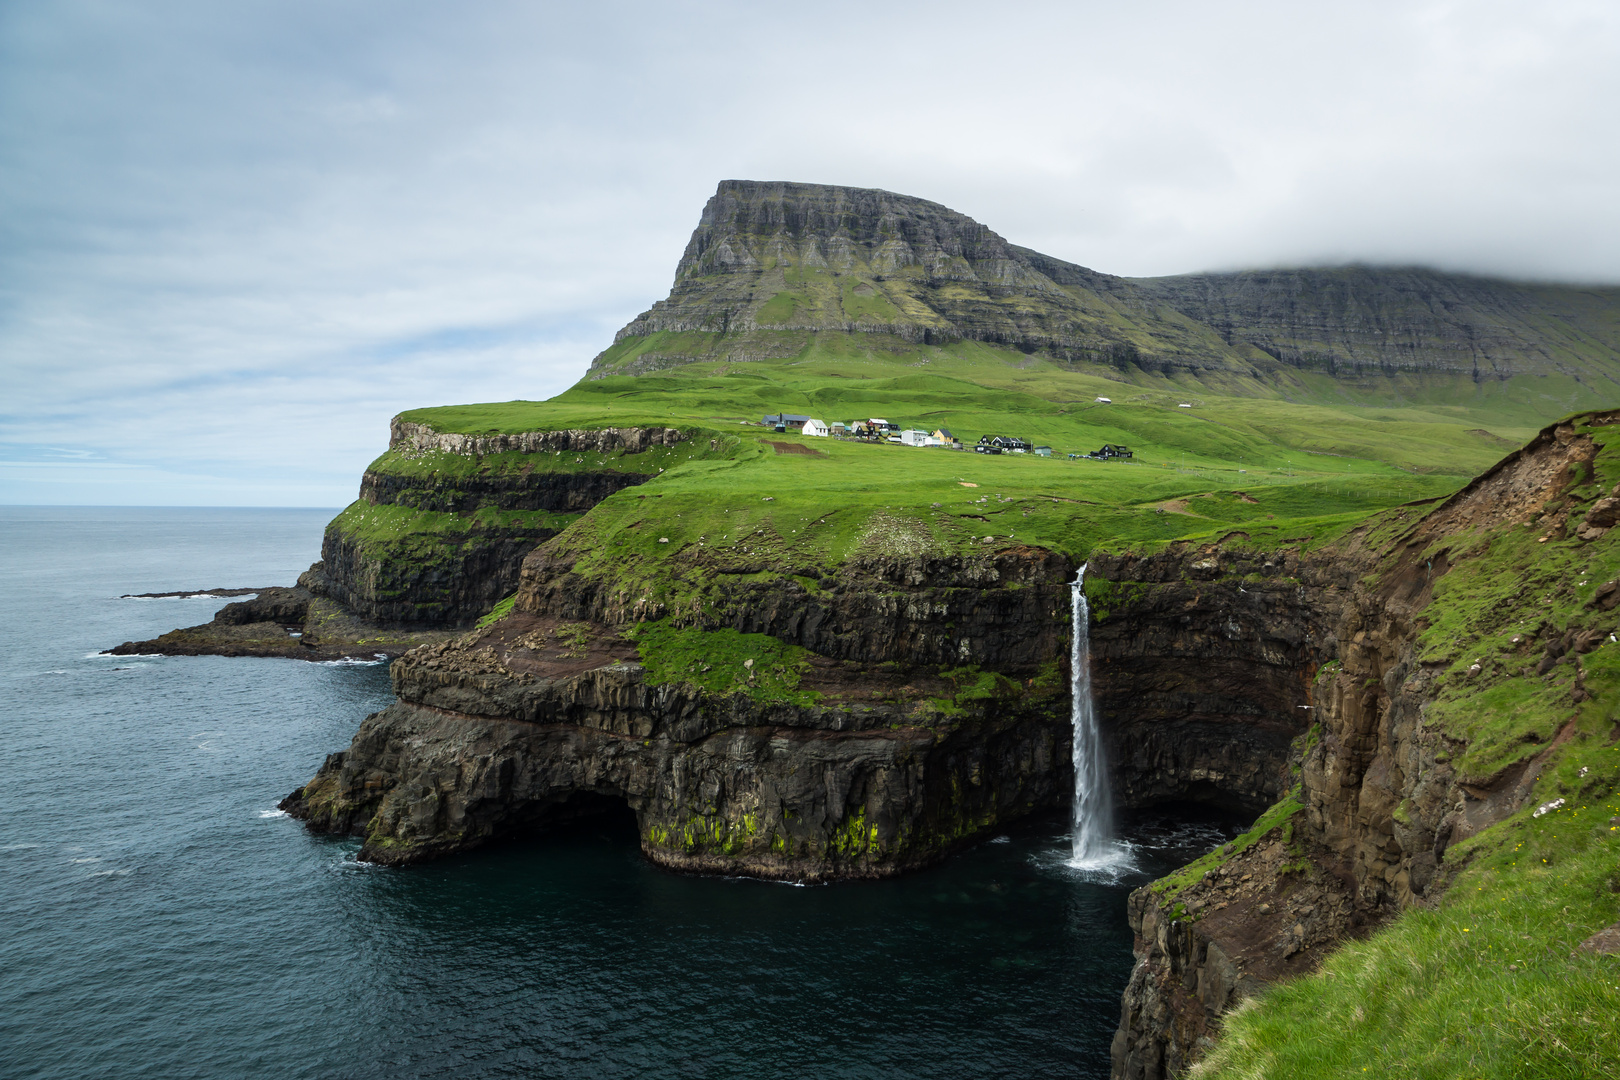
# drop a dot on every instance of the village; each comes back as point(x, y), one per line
point(878, 430)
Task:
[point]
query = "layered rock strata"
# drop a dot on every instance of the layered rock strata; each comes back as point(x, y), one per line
point(450, 572)
point(1379, 802)
point(498, 734)
point(771, 264)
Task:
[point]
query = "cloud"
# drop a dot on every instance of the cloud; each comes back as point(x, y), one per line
point(235, 238)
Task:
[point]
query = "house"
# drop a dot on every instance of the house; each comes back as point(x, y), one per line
point(837, 428)
point(917, 437)
point(944, 435)
point(1184, 405)
point(1043, 451)
point(1105, 401)
point(1109, 452)
point(1006, 443)
point(783, 421)
point(813, 426)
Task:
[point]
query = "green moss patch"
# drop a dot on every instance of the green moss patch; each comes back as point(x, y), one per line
point(723, 662)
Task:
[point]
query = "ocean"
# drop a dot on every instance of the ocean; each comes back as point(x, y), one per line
point(163, 919)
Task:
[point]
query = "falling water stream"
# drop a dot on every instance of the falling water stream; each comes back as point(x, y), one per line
point(1093, 815)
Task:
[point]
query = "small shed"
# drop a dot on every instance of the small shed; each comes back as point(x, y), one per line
point(1043, 451)
point(1105, 401)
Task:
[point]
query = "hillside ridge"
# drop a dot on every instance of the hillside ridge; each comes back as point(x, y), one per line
point(771, 264)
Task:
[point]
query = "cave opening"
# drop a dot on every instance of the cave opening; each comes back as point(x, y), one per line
point(586, 813)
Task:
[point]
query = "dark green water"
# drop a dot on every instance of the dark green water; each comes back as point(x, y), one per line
point(161, 919)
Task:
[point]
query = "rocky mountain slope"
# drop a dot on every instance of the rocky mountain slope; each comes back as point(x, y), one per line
point(772, 263)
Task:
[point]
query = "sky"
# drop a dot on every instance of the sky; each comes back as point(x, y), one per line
point(235, 239)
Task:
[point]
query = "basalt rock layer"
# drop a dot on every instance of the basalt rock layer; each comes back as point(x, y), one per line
point(772, 263)
point(1202, 660)
point(454, 546)
point(1376, 800)
point(500, 733)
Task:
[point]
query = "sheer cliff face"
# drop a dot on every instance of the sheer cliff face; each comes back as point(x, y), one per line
point(876, 767)
point(1356, 321)
point(769, 259)
point(456, 534)
point(1386, 783)
point(772, 263)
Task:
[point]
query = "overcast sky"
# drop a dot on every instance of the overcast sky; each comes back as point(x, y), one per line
point(235, 238)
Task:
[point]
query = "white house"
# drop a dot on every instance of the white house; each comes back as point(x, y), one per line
point(813, 426)
point(1105, 401)
point(916, 437)
point(1184, 405)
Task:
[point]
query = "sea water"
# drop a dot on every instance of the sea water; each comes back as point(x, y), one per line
point(163, 919)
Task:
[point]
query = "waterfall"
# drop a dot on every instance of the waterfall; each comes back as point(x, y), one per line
point(1092, 826)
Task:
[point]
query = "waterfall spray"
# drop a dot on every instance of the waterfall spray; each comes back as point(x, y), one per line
point(1092, 825)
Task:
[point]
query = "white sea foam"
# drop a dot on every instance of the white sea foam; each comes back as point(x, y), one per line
point(1002, 840)
point(19, 847)
point(111, 873)
point(91, 858)
point(272, 813)
point(349, 862)
point(353, 661)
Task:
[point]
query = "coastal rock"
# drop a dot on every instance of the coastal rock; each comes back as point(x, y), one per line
point(491, 739)
point(1380, 802)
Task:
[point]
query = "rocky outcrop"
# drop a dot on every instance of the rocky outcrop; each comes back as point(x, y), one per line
point(434, 581)
point(556, 492)
point(447, 574)
point(408, 436)
point(1005, 611)
point(501, 733)
point(1202, 660)
point(1379, 799)
point(291, 623)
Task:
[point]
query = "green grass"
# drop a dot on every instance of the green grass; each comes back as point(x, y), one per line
point(723, 662)
point(1490, 984)
point(1278, 817)
point(498, 612)
point(373, 524)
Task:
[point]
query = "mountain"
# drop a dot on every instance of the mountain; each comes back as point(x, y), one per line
point(771, 266)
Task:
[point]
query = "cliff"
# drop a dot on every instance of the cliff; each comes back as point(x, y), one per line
point(772, 264)
point(1465, 689)
point(783, 763)
point(1359, 321)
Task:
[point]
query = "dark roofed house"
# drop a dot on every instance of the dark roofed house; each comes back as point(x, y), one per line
point(783, 421)
point(1007, 443)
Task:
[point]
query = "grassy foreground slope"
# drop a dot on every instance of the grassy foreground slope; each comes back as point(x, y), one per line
point(1494, 979)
